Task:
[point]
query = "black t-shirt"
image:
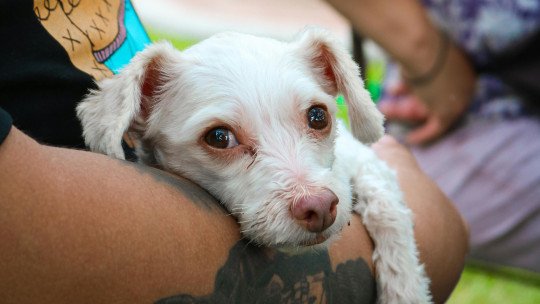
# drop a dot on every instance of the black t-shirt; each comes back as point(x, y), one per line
point(51, 53)
point(39, 86)
point(5, 125)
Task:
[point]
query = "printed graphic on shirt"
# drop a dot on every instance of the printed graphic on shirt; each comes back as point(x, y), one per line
point(100, 36)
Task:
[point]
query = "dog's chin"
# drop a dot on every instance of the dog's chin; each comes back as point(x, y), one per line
point(318, 242)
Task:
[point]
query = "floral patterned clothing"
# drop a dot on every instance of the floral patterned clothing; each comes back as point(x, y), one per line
point(489, 166)
point(484, 29)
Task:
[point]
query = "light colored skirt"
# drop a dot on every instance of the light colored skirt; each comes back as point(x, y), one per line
point(491, 171)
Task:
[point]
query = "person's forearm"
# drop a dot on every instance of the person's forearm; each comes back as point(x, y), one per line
point(80, 227)
point(435, 69)
point(402, 28)
point(439, 229)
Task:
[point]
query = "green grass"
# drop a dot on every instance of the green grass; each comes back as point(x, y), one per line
point(179, 43)
point(480, 285)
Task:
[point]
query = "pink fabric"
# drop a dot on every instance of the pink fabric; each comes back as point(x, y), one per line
point(491, 171)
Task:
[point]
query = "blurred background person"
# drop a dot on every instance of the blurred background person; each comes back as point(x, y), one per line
point(464, 93)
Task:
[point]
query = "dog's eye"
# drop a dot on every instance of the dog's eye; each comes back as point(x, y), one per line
point(317, 118)
point(221, 138)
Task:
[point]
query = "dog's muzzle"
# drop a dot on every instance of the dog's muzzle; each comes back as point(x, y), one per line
point(316, 213)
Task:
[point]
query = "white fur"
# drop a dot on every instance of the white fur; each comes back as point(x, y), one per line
point(262, 89)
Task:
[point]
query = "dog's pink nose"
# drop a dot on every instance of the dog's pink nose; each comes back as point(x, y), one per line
point(317, 212)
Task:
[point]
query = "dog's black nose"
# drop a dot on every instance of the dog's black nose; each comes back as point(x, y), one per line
point(316, 212)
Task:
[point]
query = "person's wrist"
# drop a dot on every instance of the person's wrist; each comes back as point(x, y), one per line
point(423, 53)
point(436, 67)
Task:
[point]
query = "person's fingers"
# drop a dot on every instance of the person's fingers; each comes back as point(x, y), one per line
point(397, 89)
point(428, 131)
point(405, 109)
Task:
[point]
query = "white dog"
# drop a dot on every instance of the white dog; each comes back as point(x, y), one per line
point(252, 120)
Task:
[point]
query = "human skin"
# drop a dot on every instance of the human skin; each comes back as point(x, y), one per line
point(437, 221)
point(404, 31)
point(81, 227)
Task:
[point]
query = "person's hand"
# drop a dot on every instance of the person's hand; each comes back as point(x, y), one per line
point(434, 106)
point(400, 105)
point(429, 116)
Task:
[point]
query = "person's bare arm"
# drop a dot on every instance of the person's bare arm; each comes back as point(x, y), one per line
point(81, 227)
point(400, 27)
point(440, 231)
point(404, 30)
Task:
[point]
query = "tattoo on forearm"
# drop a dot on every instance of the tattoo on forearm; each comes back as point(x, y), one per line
point(261, 275)
point(187, 188)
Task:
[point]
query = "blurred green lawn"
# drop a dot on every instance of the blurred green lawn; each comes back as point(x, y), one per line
point(177, 42)
point(480, 285)
point(477, 285)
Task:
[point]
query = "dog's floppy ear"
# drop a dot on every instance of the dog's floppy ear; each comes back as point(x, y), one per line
point(336, 72)
point(125, 101)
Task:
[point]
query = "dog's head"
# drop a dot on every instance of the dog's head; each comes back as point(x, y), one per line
point(252, 120)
